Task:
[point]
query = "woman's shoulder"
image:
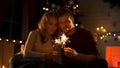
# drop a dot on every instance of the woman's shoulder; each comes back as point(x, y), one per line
point(33, 33)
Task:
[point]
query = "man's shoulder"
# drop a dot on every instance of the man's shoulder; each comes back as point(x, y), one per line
point(82, 29)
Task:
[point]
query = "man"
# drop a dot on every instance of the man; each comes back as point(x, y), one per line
point(81, 51)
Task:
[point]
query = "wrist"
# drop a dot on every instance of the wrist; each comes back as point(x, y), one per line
point(75, 53)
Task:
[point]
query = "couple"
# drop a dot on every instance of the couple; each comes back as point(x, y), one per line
point(80, 52)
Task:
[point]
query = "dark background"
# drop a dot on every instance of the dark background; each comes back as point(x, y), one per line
point(11, 14)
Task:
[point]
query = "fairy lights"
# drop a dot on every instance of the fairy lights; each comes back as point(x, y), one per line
point(14, 41)
point(103, 34)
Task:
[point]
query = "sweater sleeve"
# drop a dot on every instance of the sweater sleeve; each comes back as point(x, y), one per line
point(29, 45)
point(91, 45)
point(90, 48)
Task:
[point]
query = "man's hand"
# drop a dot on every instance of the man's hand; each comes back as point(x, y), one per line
point(69, 52)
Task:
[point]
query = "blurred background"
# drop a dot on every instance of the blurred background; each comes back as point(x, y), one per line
point(101, 17)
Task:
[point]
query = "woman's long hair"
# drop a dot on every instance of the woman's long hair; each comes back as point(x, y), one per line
point(42, 23)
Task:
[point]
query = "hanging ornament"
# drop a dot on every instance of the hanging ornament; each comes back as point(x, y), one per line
point(53, 5)
point(71, 2)
point(47, 3)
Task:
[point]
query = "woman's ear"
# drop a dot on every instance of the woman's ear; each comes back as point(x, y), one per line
point(72, 22)
point(72, 19)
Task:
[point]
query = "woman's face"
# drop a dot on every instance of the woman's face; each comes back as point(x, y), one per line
point(51, 25)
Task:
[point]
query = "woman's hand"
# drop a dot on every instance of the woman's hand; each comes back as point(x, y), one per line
point(51, 55)
point(54, 53)
point(69, 52)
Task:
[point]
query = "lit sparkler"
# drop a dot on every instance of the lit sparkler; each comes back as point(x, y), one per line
point(62, 40)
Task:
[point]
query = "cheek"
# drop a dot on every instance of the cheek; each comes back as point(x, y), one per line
point(52, 28)
point(61, 25)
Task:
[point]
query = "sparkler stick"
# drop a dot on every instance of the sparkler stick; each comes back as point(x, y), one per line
point(62, 40)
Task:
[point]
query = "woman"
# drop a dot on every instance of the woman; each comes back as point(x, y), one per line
point(39, 42)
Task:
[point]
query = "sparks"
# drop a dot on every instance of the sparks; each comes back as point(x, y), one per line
point(62, 40)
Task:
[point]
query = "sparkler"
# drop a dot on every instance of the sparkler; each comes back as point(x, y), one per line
point(62, 40)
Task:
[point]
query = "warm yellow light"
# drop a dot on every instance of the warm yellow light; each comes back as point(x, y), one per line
point(77, 5)
point(101, 30)
point(101, 37)
point(0, 39)
point(118, 37)
point(13, 41)
point(98, 29)
point(43, 8)
point(20, 41)
point(47, 9)
point(74, 7)
point(3, 66)
point(101, 27)
point(104, 30)
point(6, 40)
point(109, 33)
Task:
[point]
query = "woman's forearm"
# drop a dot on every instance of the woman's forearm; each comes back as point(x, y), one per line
point(35, 55)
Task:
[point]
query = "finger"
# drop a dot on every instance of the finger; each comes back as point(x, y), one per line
point(67, 48)
point(55, 53)
point(68, 51)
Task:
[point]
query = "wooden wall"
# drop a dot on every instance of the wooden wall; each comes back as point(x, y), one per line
point(6, 51)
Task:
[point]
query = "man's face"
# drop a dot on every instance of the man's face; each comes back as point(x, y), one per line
point(65, 23)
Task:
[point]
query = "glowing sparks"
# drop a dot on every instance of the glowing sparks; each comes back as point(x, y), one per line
point(62, 40)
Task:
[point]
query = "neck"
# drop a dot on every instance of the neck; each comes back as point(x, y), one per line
point(71, 31)
point(47, 37)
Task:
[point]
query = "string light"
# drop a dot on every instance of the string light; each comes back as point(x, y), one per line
point(101, 30)
point(118, 37)
point(103, 34)
point(3, 66)
point(6, 40)
point(0, 39)
point(20, 41)
point(14, 41)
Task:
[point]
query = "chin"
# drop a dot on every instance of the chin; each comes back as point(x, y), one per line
point(51, 33)
point(65, 31)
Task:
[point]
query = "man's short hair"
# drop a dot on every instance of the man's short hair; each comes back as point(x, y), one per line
point(64, 11)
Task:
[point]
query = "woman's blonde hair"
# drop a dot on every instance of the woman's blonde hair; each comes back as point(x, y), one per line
point(41, 24)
